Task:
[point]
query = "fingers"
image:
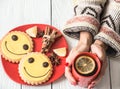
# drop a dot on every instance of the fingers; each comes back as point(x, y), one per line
point(92, 85)
point(70, 59)
point(0, 46)
point(68, 73)
point(71, 56)
point(75, 51)
point(99, 51)
point(102, 72)
point(98, 79)
point(69, 76)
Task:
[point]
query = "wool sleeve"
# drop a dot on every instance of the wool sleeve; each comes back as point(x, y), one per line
point(87, 18)
point(110, 27)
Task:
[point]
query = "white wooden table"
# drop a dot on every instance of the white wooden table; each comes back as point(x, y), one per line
point(14, 13)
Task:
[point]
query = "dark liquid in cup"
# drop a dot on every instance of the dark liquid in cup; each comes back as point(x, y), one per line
point(85, 65)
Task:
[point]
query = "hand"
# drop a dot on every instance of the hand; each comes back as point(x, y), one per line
point(0, 46)
point(99, 49)
point(82, 46)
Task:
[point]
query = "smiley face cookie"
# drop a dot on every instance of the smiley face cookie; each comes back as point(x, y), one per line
point(15, 45)
point(35, 68)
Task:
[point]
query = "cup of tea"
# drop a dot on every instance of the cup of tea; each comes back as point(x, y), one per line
point(85, 68)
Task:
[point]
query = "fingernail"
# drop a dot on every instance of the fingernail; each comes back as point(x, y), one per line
point(74, 83)
point(66, 64)
point(93, 83)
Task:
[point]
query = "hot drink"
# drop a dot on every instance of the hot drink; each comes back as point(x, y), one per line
point(85, 65)
point(85, 68)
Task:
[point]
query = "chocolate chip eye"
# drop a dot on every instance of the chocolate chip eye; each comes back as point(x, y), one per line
point(45, 64)
point(31, 60)
point(14, 38)
point(25, 47)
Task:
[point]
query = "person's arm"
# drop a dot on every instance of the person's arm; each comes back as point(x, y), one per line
point(83, 45)
point(99, 48)
point(87, 18)
point(102, 44)
point(83, 27)
point(110, 28)
point(108, 39)
point(85, 41)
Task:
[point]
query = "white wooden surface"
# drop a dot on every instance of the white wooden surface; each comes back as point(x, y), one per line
point(14, 13)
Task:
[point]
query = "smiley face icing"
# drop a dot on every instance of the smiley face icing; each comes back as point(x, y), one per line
point(35, 68)
point(15, 45)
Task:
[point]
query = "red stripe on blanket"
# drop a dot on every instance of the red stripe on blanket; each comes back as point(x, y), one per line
point(88, 19)
point(110, 33)
point(117, 0)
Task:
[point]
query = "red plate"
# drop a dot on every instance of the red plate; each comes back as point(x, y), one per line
point(11, 69)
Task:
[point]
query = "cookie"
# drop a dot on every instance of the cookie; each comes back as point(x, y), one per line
point(60, 51)
point(35, 68)
point(15, 45)
point(32, 31)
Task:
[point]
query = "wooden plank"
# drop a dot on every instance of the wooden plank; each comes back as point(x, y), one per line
point(37, 11)
point(37, 87)
point(115, 70)
point(6, 23)
point(5, 81)
point(15, 13)
point(62, 10)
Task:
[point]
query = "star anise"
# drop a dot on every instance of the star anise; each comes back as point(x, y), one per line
point(40, 34)
point(54, 59)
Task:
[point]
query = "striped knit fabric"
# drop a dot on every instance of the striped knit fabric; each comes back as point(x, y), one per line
point(110, 27)
point(117, 0)
point(75, 2)
point(87, 18)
